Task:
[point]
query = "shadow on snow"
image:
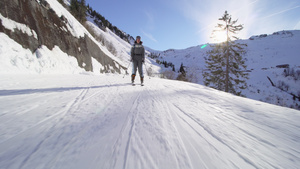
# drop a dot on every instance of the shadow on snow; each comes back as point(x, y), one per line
point(49, 90)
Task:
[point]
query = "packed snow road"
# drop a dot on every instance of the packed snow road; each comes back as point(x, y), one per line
point(86, 121)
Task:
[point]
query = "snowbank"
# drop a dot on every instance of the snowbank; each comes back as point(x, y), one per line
point(17, 60)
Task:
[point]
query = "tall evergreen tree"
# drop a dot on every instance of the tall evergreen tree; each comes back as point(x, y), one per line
point(226, 69)
point(78, 9)
point(82, 11)
point(74, 6)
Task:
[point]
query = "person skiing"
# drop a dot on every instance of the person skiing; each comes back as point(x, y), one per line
point(137, 59)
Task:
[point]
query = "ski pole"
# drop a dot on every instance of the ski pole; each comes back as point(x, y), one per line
point(127, 69)
point(146, 70)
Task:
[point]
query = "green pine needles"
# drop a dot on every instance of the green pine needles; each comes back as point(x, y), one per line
point(78, 8)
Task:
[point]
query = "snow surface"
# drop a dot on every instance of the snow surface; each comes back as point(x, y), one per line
point(89, 121)
point(17, 60)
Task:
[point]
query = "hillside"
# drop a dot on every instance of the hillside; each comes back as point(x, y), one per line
point(267, 56)
point(39, 24)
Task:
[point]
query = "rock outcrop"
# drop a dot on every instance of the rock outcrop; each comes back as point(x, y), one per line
point(50, 30)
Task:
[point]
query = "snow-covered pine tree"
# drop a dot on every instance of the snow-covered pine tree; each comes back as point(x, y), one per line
point(226, 69)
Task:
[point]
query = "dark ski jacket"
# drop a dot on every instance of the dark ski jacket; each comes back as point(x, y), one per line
point(138, 52)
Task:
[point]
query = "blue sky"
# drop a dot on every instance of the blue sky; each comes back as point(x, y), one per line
point(179, 24)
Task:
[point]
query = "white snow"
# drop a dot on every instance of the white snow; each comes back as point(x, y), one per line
point(17, 60)
point(76, 28)
point(73, 25)
point(12, 25)
point(88, 121)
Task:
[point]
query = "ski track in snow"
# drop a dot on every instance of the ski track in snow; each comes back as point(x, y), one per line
point(104, 122)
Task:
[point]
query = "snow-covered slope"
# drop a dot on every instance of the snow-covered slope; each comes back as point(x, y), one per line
point(86, 121)
point(264, 53)
point(14, 59)
point(86, 55)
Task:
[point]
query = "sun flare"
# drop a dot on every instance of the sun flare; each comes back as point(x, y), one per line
point(220, 36)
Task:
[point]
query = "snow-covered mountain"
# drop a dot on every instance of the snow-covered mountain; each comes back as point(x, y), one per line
point(267, 56)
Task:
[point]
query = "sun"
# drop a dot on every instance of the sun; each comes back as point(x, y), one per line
point(220, 36)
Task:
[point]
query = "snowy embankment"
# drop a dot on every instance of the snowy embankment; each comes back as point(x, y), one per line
point(17, 60)
point(86, 121)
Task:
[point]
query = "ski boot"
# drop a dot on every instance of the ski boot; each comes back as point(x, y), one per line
point(142, 81)
point(132, 79)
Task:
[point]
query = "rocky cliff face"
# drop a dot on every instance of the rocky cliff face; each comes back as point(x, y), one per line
point(51, 30)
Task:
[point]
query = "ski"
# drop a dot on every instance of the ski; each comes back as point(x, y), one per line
point(133, 84)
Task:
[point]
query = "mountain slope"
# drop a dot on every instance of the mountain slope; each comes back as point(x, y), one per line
point(265, 55)
point(84, 121)
point(47, 24)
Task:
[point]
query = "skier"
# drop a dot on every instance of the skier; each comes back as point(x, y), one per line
point(137, 59)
